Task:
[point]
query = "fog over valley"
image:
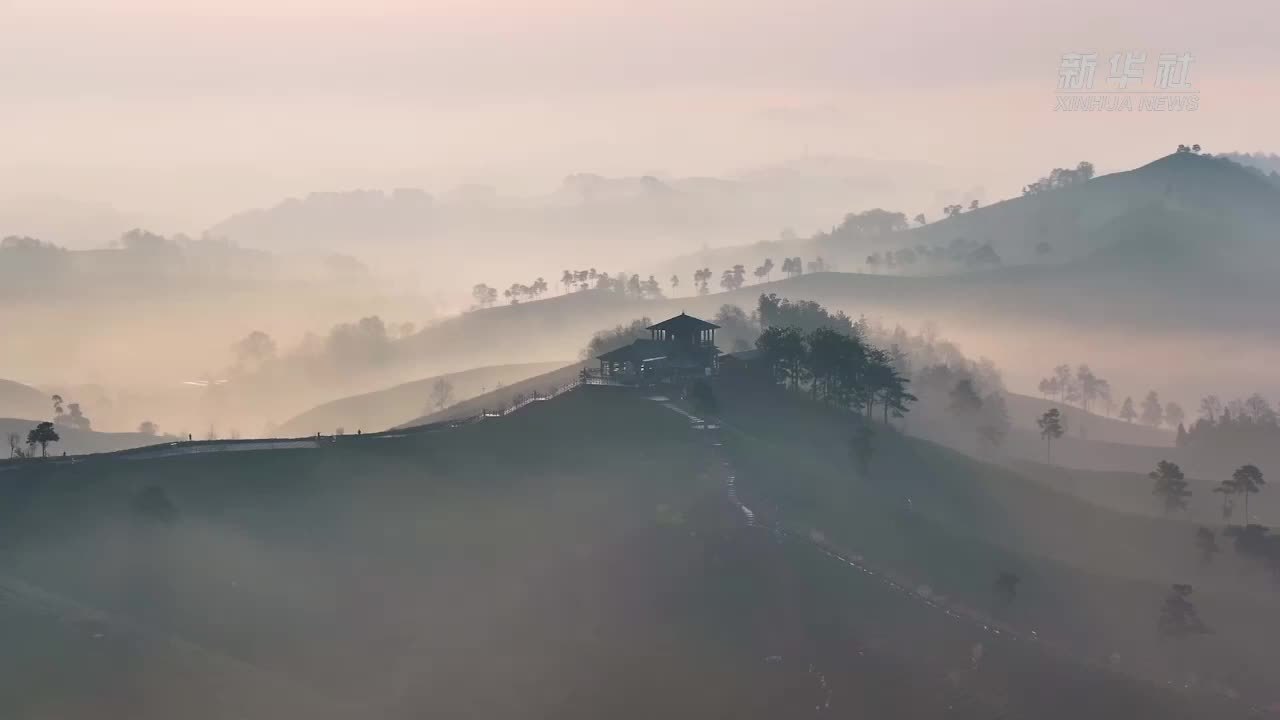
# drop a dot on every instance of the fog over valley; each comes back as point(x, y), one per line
point(570, 359)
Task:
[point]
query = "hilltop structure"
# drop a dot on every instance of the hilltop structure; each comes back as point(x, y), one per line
point(679, 349)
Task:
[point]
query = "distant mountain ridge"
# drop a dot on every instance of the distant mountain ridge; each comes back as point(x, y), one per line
point(18, 400)
point(1207, 206)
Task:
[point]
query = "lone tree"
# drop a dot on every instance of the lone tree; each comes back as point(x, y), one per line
point(1127, 413)
point(1247, 480)
point(1051, 428)
point(42, 435)
point(1178, 617)
point(1228, 490)
point(1171, 485)
point(1152, 410)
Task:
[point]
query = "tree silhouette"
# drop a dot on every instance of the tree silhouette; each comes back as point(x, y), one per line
point(43, 434)
point(1178, 617)
point(1051, 428)
point(1210, 408)
point(1228, 490)
point(1170, 485)
point(441, 393)
point(15, 443)
point(701, 278)
point(1127, 413)
point(1173, 413)
point(1152, 412)
point(148, 428)
point(920, 219)
point(792, 266)
point(484, 295)
point(765, 269)
point(1247, 480)
point(733, 278)
point(675, 283)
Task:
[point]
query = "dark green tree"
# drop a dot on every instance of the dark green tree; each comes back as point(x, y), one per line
point(784, 352)
point(1051, 428)
point(43, 434)
point(1247, 480)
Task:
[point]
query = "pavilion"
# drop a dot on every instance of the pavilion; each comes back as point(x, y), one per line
point(678, 349)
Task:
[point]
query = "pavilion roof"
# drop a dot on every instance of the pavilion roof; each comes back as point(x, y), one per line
point(683, 324)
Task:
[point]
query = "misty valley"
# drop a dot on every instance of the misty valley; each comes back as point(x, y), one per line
point(552, 360)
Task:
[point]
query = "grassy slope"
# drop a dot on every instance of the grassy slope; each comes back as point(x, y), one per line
point(1092, 579)
point(1110, 474)
point(383, 409)
point(576, 559)
point(77, 442)
point(1024, 409)
point(504, 396)
point(1133, 249)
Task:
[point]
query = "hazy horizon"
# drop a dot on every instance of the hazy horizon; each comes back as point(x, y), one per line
point(185, 116)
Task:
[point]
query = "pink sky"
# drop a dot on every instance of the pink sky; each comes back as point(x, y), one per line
point(191, 110)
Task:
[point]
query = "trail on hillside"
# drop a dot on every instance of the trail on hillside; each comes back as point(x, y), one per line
point(989, 633)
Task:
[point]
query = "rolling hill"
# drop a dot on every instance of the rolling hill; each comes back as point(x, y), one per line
point(79, 442)
point(579, 558)
point(18, 400)
point(1092, 576)
point(383, 409)
point(503, 397)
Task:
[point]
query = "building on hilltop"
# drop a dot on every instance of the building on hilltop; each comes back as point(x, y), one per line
point(678, 350)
